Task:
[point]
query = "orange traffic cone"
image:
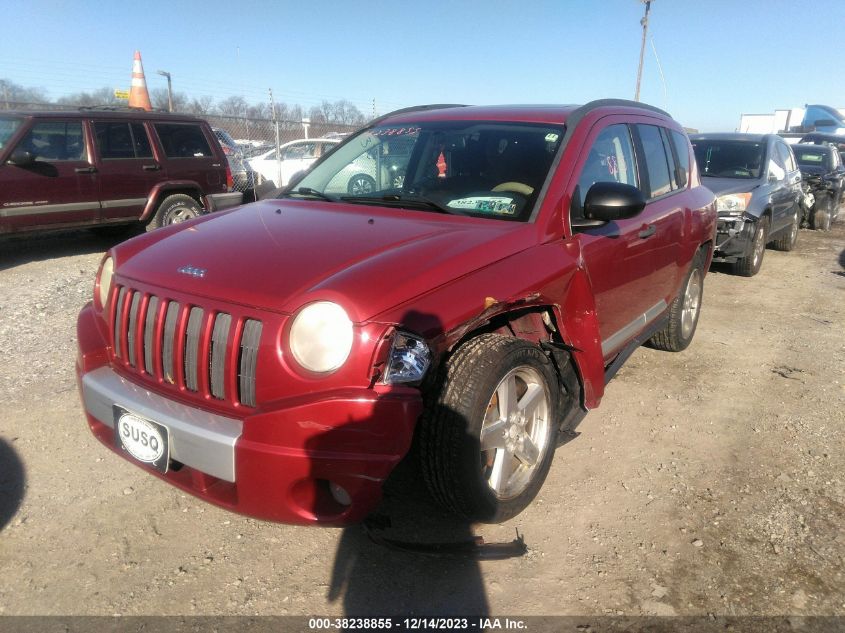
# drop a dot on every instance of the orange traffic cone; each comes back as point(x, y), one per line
point(138, 95)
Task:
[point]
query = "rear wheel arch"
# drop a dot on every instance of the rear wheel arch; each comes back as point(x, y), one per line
point(157, 196)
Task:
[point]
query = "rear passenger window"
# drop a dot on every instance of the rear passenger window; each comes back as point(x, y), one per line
point(181, 140)
point(55, 140)
point(657, 163)
point(122, 140)
point(682, 151)
point(611, 159)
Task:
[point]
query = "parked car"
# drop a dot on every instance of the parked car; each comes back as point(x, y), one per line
point(103, 168)
point(244, 176)
point(822, 170)
point(836, 140)
point(758, 187)
point(296, 156)
point(376, 169)
point(279, 361)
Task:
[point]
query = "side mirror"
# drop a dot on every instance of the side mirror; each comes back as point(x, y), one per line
point(772, 178)
point(21, 158)
point(609, 201)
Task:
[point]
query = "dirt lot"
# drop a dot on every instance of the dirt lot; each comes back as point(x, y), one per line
point(711, 481)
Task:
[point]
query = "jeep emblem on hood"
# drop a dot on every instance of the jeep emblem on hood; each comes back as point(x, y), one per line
point(193, 271)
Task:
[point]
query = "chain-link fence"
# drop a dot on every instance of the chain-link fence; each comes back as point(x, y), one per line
point(262, 153)
point(266, 154)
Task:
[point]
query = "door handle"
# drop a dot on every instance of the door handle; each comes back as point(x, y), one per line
point(86, 170)
point(151, 167)
point(647, 231)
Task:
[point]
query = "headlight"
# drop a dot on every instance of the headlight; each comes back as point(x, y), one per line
point(103, 282)
point(408, 361)
point(734, 203)
point(321, 337)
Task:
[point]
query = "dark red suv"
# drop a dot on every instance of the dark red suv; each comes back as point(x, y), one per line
point(280, 359)
point(101, 168)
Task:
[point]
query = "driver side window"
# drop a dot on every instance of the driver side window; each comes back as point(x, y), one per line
point(610, 159)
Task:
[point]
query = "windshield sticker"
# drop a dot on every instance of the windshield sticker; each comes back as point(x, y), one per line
point(395, 131)
point(551, 137)
point(498, 205)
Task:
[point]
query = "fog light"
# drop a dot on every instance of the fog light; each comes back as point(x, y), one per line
point(340, 495)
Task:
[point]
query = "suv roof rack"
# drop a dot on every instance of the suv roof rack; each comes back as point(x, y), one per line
point(419, 108)
point(116, 108)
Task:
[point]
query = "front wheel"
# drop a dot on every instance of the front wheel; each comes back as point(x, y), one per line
point(750, 265)
point(821, 216)
point(488, 437)
point(173, 210)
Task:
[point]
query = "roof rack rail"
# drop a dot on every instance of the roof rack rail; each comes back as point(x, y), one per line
point(116, 108)
point(419, 108)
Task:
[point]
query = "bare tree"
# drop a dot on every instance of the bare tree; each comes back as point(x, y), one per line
point(159, 98)
point(233, 106)
point(101, 96)
point(12, 93)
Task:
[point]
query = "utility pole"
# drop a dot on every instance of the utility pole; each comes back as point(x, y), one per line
point(278, 143)
point(644, 22)
point(164, 73)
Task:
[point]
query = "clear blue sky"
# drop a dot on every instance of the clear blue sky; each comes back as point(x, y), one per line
point(720, 58)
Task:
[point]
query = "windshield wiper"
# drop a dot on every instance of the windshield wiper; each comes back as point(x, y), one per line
point(308, 191)
point(396, 200)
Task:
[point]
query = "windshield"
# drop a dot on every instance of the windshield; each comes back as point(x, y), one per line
point(729, 159)
point(493, 169)
point(7, 128)
point(811, 157)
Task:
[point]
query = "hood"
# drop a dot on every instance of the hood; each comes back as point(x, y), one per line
point(280, 254)
point(724, 186)
point(812, 170)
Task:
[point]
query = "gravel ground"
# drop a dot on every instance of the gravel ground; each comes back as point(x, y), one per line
point(709, 481)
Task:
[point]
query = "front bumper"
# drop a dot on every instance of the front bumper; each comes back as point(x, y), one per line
point(734, 235)
point(283, 464)
point(221, 201)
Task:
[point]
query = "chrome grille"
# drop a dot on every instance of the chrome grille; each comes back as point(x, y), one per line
point(133, 324)
point(149, 330)
point(192, 344)
point(167, 362)
point(217, 359)
point(248, 361)
point(187, 346)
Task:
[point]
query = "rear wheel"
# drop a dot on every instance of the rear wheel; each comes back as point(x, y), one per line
point(683, 314)
point(175, 209)
point(786, 242)
point(360, 185)
point(488, 437)
point(750, 265)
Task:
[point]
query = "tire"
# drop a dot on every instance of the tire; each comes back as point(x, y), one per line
point(465, 408)
point(684, 311)
point(360, 184)
point(821, 216)
point(787, 240)
point(750, 265)
point(173, 210)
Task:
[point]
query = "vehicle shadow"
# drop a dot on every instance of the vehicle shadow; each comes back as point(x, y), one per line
point(410, 557)
point(12, 482)
point(374, 576)
point(23, 249)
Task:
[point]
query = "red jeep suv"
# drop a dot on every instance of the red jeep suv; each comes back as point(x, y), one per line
point(280, 359)
point(104, 168)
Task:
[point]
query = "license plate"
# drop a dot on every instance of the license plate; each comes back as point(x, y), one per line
point(145, 440)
